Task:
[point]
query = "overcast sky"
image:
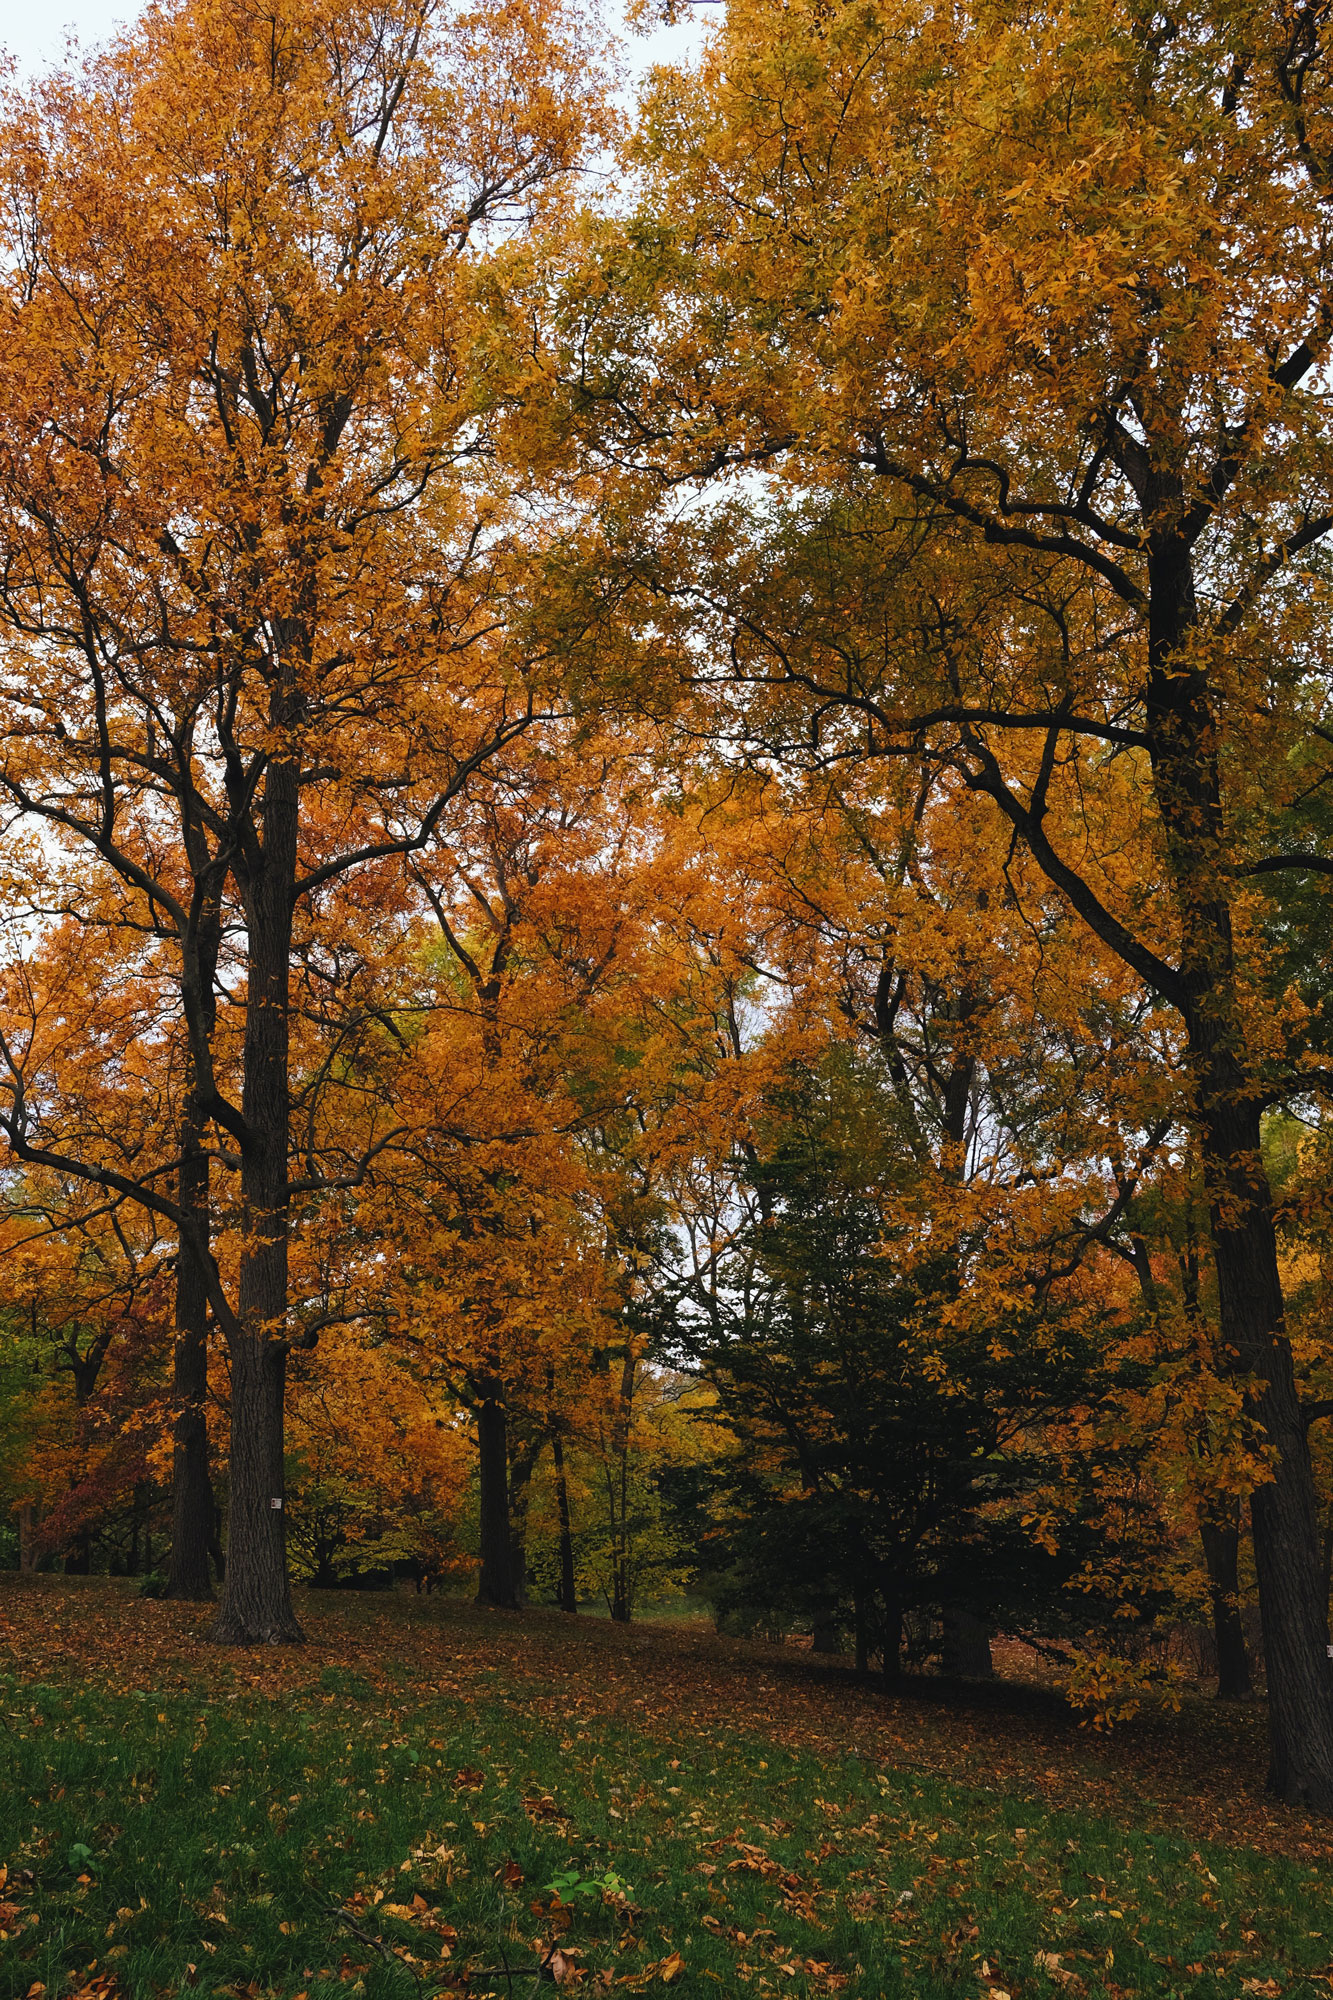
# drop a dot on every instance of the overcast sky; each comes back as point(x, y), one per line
point(34, 31)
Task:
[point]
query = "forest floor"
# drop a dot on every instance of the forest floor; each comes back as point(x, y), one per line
point(427, 1799)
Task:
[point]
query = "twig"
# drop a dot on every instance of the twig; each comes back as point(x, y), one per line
point(509, 1973)
point(386, 1951)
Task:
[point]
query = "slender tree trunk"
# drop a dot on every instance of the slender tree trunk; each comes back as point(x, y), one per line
point(193, 1507)
point(861, 1631)
point(27, 1537)
point(567, 1596)
point(522, 1464)
point(85, 1370)
point(1220, 1535)
point(621, 1587)
point(193, 1510)
point(256, 1602)
point(824, 1636)
point(496, 1582)
point(891, 1652)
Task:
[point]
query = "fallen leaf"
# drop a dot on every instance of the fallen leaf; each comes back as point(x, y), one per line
point(1049, 1963)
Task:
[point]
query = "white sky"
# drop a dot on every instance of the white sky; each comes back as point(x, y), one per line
point(34, 31)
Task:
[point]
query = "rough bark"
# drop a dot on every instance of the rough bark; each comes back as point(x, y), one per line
point(495, 1583)
point(256, 1606)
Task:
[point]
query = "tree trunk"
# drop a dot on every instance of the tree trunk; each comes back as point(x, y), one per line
point(193, 1510)
point(621, 1587)
point(567, 1595)
point(496, 1582)
point(1282, 1510)
point(256, 1605)
point(966, 1647)
point(824, 1634)
point(1220, 1535)
point(861, 1632)
point(522, 1463)
point(27, 1537)
point(1187, 785)
point(891, 1652)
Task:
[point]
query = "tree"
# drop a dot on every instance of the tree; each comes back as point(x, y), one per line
point(1033, 311)
point(255, 575)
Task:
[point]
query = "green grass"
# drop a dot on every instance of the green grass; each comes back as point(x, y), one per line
point(214, 1831)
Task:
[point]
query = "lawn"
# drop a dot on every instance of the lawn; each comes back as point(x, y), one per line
point(428, 1799)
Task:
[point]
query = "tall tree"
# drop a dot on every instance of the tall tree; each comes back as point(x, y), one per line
point(1054, 291)
point(255, 573)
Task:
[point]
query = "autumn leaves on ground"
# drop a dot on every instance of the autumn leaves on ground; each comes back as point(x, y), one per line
point(666, 822)
point(426, 1795)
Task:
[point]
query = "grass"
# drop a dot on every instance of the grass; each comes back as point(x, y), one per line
point(206, 1838)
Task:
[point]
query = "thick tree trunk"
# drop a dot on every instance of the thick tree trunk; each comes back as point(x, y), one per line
point(1187, 784)
point(1220, 1535)
point(495, 1585)
point(1282, 1510)
point(966, 1647)
point(256, 1605)
point(567, 1594)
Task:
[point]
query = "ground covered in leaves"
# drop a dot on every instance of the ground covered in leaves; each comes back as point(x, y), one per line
point(428, 1799)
